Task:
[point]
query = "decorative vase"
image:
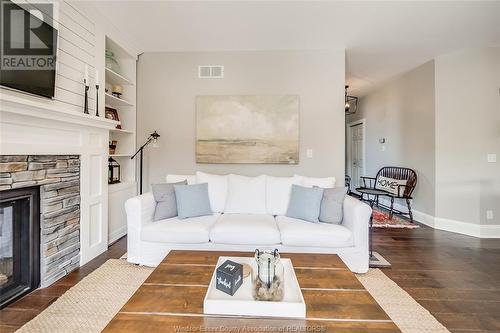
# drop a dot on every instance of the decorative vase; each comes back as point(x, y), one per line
point(111, 62)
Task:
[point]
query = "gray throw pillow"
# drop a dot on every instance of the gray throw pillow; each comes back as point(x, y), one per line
point(166, 205)
point(192, 200)
point(332, 204)
point(305, 203)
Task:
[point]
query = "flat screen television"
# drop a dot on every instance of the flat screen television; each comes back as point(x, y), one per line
point(28, 50)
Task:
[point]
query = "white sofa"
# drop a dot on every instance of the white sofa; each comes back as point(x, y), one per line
point(150, 241)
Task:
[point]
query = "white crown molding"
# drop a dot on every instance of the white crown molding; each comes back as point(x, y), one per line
point(460, 227)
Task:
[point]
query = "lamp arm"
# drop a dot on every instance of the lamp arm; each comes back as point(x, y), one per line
point(142, 147)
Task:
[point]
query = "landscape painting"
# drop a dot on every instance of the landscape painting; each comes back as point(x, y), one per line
point(258, 129)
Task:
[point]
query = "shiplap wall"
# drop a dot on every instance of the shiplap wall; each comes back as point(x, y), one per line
point(76, 47)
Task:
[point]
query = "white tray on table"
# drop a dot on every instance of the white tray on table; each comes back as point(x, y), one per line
point(242, 303)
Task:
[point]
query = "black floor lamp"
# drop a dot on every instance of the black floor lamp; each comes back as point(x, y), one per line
point(153, 137)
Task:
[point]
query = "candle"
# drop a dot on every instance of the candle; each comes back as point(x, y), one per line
point(96, 77)
point(86, 75)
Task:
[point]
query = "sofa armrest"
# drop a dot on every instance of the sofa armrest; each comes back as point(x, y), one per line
point(140, 211)
point(357, 219)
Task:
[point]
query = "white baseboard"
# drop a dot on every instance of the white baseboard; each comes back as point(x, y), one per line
point(117, 234)
point(490, 231)
point(460, 227)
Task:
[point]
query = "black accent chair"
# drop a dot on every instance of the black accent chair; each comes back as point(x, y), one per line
point(404, 191)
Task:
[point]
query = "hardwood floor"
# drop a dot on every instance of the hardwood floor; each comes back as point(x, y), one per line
point(455, 277)
point(18, 313)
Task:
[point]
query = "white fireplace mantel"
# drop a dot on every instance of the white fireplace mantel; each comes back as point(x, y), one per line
point(32, 127)
point(53, 111)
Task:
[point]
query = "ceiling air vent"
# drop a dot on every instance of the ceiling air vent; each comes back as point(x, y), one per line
point(211, 72)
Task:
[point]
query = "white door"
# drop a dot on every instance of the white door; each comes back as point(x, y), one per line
point(357, 137)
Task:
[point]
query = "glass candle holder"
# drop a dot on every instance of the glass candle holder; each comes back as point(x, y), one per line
point(269, 278)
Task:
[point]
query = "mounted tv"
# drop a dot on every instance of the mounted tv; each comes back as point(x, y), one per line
point(28, 48)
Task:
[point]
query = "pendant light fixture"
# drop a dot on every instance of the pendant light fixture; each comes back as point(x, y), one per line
point(351, 103)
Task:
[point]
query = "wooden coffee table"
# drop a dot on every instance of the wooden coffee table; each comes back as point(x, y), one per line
point(171, 299)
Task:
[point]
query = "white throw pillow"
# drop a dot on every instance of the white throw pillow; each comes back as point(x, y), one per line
point(326, 182)
point(217, 189)
point(391, 185)
point(191, 179)
point(246, 195)
point(278, 191)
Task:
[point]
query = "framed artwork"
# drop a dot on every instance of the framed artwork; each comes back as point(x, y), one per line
point(112, 114)
point(256, 129)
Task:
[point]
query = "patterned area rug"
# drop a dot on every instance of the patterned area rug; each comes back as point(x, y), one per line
point(91, 304)
point(381, 220)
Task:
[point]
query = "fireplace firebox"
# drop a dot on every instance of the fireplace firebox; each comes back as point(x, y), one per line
point(19, 243)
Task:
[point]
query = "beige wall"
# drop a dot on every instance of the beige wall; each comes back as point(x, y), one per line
point(402, 112)
point(168, 83)
point(442, 119)
point(467, 129)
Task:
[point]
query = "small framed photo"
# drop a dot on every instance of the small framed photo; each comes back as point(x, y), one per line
point(112, 114)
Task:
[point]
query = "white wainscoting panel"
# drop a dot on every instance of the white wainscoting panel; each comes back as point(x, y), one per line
point(95, 176)
point(95, 224)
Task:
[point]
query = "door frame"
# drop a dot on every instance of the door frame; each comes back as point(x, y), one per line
point(361, 122)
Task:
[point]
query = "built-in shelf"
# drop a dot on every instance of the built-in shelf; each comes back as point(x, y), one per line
point(115, 78)
point(120, 130)
point(124, 74)
point(120, 155)
point(121, 186)
point(118, 50)
point(115, 101)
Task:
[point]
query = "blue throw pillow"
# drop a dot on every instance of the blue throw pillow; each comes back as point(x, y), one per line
point(192, 200)
point(305, 203)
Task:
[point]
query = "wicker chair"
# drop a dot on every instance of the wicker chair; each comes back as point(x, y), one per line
point(404, 191)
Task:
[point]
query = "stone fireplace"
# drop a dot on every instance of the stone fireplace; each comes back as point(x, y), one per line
point(57, 178)
point(63, 154)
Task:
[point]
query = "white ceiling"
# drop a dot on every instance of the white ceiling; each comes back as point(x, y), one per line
point(382, 39)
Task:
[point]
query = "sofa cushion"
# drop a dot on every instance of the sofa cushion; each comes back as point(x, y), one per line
point(192, 200)
point(174, 230)
point(166, 205)
point(217, 189)
point(246, 195)
point(325, 182)
point(191, 179)
point(257, 229)
point(296, 232)
point(305, 203)
point(278, 191)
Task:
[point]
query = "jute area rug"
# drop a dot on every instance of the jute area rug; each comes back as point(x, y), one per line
point(92, 303)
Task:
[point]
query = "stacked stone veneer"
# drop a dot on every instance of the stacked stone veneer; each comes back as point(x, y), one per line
point(59, 179)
